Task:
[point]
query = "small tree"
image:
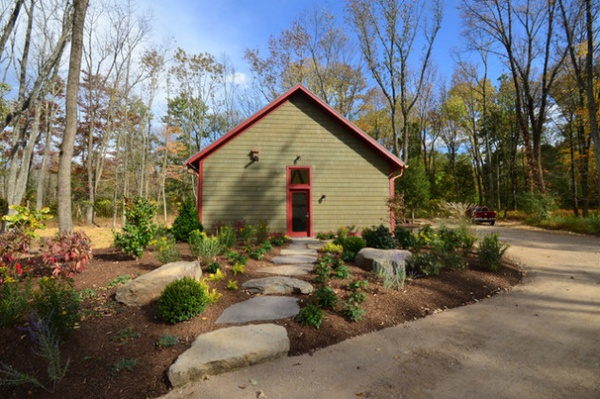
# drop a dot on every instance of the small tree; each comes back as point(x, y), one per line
point(187, 220)
point(415, 186)
point(139, 227)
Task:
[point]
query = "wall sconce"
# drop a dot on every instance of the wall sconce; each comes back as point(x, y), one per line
point(254, 155)
point(322, 198)
point(297, 159)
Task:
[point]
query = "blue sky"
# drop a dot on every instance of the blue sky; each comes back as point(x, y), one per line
point(232, 26)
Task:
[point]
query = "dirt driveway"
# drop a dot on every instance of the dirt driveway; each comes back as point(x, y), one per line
point(540, 340)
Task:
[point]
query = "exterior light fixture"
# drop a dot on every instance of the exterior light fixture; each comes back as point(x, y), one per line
point(297, 159)
point(254, 155)
point(322, 198)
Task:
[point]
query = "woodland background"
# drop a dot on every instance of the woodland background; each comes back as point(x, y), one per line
point(528, 139)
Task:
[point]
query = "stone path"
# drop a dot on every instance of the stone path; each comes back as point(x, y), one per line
point(233, 347)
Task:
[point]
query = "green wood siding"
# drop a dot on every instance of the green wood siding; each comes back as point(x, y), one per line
point(351, 175)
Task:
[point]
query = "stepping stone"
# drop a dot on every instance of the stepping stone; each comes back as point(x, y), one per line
point(260, 308)
point(148, 287)
point(287, 270)
point(278, 285)
point(227, 349)
point(298, 251)
point(293, 259)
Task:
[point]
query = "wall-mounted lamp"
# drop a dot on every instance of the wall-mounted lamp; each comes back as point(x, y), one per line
point(322, 198)
point(297, 159)
point(254, 155)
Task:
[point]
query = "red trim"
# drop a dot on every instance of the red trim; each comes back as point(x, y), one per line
point(200, 186)
point(394, 162)
point(292, 188)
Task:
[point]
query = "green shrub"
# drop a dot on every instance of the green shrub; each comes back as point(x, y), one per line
point(448, 239)
point(278, 239)
point(425, 263)
point(195, 242)
point(59, 302)
point(255, 253)
point(378, 237)
point(341, 272)
point(326, 297)
point(310, 315)
point(124, 365)
point(332, 248)
point(138, 229)
point(182, 300)
point(218, 275)
point(322, 270)
point(245, 234)
point(213, 267)
point(262, 232)
point(209, 249)
point(405, 238)
point(452, 260)
point(125, 334)
point(238, 268)
point(166, 250)
point(353, 245)
point(491, 251)
point(14, 302)
point(122, 279)
point(353, 311)
point(537, 205)
point(226, 235)
point(325, 236)
point(187, 220)
point(234, 257)
point(425, 235)
point(232, 285)
point(466, 238)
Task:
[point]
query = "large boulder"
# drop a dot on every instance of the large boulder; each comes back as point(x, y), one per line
point(227, 349)
point(390, 262)
point(148, 287)
point(278, 285)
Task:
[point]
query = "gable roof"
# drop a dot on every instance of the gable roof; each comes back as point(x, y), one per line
point(395, 163)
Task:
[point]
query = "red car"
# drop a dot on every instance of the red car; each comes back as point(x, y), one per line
point(481, 214)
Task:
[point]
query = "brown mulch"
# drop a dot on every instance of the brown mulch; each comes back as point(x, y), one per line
point(93, 349)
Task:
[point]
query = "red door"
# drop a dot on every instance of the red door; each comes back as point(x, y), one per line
point(299, 216)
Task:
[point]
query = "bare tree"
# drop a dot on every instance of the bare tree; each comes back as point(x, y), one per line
point(524, 32)
point(390, 33)
point(65, 217)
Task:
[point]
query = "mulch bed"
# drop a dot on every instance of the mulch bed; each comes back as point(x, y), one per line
point(94, 348)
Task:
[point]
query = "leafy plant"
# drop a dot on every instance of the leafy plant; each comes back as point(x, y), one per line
point(310, 315)
point(59, 302)
point(125, 334)
point(124, 364)
point(326, 236)
point(234, 257)
point(255, 252)
point(187, 220)
point(262, 232)
point(14, 302)
point(353, 311)
point(46, 345)
point(378, 237)
point(278, 239)
point(216, 276)
point(209, 249)
point(67, 253)
point(326, 297)
point(166, 249)
point(425, 263)
point(405, 238)
point(245, 234)
point(182, 300)
point(213, 295)
point(322, 269)
point(138, 229)
point(166, 341)
point(537, 205)
point(122, 279)
point(491, 251)
point(395, 278)
point(266, 246)
point(238, 268)
point(226, 235)
point(341, 272)
point(332, 248)
point(195, 242)
point(352, 246)
point(87, 293)
point(213, 267)
point(232, 285)
point(26, 221)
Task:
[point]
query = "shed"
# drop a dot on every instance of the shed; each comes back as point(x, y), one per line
point(299, 165)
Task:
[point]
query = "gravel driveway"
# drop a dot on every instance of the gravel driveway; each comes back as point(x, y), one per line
point(540, 340)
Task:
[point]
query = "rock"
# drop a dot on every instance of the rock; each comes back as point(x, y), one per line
point(287, 270)
point(147, 287)
point(278, 285)
point(227, 349)
point(388, 261)
point(260, 308)
point(293, 259)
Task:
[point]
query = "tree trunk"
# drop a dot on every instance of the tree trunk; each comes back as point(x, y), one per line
point(65, 216)
point(591, 100)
